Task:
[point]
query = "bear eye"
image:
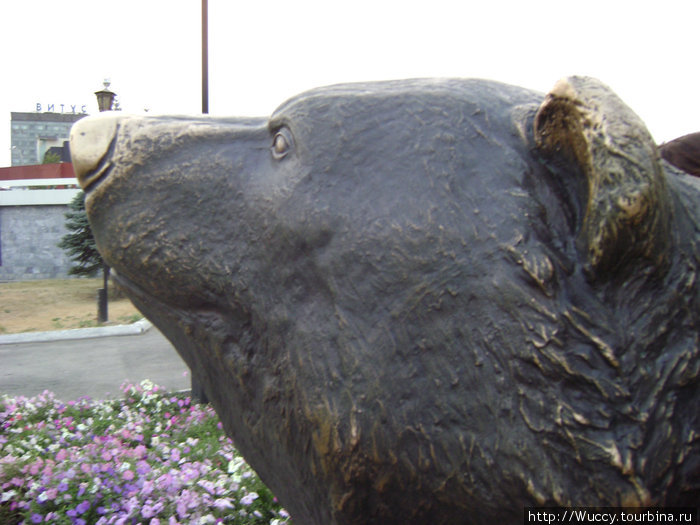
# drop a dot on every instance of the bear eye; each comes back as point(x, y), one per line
point(281, 143)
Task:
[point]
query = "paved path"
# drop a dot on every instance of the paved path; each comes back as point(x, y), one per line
point(90, 367)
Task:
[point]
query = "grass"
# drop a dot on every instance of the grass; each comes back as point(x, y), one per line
point(58, 304)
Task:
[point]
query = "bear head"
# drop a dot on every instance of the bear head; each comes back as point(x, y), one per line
point(423, 301)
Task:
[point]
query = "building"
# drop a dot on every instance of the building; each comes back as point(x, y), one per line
point(32, 135)
point(33, 199)
point(34, 196)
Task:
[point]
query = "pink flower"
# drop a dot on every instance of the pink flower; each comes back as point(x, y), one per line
point(17, 482)
point(128, 475)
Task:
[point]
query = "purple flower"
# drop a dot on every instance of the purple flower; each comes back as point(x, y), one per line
point(83, 507)
point(37, 518)
point(147, 511)
point(142, 467)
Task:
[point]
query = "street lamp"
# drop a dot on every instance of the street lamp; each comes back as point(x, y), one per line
point(105, 99)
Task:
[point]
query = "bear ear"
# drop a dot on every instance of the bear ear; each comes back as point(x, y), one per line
point(683, 153)
point(612, 167)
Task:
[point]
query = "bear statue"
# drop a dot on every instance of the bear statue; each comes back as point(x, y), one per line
point(421, 301)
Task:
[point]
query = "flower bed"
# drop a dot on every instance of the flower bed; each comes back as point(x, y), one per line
point(152, 458)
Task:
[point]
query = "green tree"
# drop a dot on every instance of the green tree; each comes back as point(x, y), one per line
point(79, 244)
point(51, 158)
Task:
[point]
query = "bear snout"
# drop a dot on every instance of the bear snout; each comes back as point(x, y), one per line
point(91, 139)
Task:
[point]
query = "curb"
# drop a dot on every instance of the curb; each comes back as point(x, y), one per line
point(137, 328)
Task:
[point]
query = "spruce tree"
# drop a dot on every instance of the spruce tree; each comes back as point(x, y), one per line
point(80, 244)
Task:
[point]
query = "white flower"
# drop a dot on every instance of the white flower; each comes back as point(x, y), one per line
point(223, 503)
point(234, 465)
point(249, 498)
point(7, 496)
point(97, 483)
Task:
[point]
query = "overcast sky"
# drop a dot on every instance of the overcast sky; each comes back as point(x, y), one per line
point(262, 52)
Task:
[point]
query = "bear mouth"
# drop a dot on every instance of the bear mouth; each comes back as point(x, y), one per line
point(173, 322)
point(196, 324)
point(148, 304)
point(90, 180)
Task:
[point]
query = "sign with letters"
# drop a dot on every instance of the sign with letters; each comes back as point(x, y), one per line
point(61, 108)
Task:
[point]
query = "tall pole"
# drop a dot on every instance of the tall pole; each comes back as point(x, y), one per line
point(105, 100)
point(198, 393)
point(205, 57)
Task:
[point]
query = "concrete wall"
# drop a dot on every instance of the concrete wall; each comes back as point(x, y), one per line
point(28, 239)
point(32, 223)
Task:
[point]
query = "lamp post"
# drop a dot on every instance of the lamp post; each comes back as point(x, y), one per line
point(198, 393)
point(105, 99)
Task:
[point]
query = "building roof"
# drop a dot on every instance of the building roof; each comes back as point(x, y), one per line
point(46, 117)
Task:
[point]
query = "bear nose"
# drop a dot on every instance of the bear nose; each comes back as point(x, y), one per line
point(90, 142)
